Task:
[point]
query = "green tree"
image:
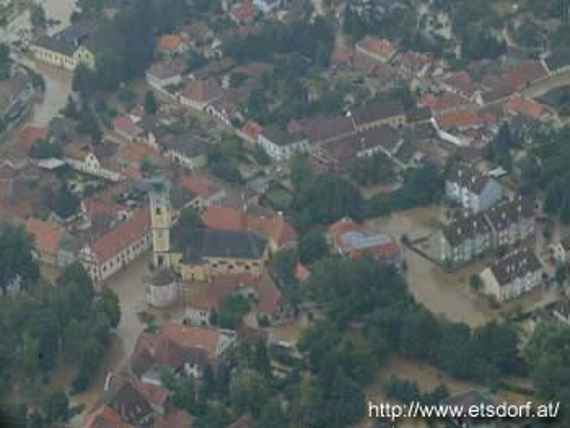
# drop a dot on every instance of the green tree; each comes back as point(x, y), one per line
point(55, 407)
point(16, 257)
point(312, 247)
point(38, 17)
point(43, 149)
point(65, 203)
point(150, 103)
point(5, 62)
point(108, 302)
point(233, 309)
point(249, 391)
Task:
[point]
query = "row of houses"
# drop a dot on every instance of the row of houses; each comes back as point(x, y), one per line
point(508, 223)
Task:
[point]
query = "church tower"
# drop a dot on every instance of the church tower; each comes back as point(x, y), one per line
point(161, 221)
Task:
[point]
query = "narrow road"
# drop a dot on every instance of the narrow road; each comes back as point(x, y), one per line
point(540, 88)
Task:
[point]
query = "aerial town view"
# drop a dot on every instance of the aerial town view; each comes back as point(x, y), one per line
point(284, 213)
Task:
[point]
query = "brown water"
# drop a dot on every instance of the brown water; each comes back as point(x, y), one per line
point(442, 293)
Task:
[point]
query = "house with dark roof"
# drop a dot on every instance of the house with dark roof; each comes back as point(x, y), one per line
point(377, 114)
point(280, 144)
point(186, 150)
point(503, 226)
point(511, 276)
point(198, 94)
point(472, 190)
point(184, 349)
point(68, 48)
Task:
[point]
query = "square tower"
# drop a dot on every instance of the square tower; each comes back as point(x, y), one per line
point(161, 221)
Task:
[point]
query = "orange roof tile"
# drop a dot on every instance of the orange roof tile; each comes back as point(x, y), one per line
point(104, 417)
point(225, 218)
point(460, 119)
point(381, 47)
point(192, 337)
point(122, 236)
point(200, 185)
point(252, 129)
point(47, 235)
point(169, 42)
point(525, 106)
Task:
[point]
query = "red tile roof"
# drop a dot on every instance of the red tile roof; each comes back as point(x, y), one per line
point(270, 298)
point(225, 218)
point(192, 337)
point(213, 294)
point(200, 185)
point(104, 417)
point(252, 129)
point(524, 73)
point(202, 91)
point(462, 119)
point(461, 81)
point(28, 136)
point(174, 418)
point(47, 235)
point(443, 102)
point(381, 47)
point(122, 236)
point(169, 42)
point(126, 124)
point(275, 227)
point(243, 12)
point(525, 106)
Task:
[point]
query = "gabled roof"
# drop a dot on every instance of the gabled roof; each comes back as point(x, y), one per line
point(47, 236)
point(202, 91)
point(468, 177)
point(212, 243)
point(201, 185)
point(525, 106)
point(104, 417)
point(122, 236)
point(517, 264)
point(377, 111)
point(381, 47)
point(169, 42)
point(125, 124)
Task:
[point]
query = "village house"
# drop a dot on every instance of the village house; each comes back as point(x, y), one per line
point(464, 239)
point(243, 13)
point(186, 350)
point(89, 159)
point(117, 248)
point(198, 94)
point(280, 145)
point(503, 226)
point(519, 105)
point(560, 251)
point(472, 190)
point(186, 150)
point(53, 245)
point(68, 48)
point(164, 74)
point(127, 128)
point(322, 130)
point(513, 275)
point(378, 114)
point(205, 192)
point(380, 50)
point(171, 44)
point(354, 241)
point(275, 228)
point(250, 132)
point(206, 299)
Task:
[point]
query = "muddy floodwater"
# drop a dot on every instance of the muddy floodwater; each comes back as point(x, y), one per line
point(442, 293)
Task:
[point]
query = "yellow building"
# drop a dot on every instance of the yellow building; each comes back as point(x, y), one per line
point(209, 252)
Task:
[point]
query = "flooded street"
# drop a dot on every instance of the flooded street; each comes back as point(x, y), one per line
point(57, 81)
point(442, 293)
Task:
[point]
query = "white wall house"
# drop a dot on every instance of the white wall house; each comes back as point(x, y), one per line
point(91, 165)
point(280, 145)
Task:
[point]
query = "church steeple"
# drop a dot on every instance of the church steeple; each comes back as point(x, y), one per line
point(161, 221)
